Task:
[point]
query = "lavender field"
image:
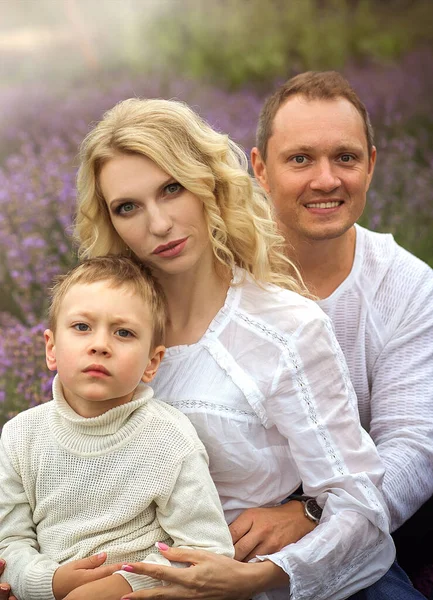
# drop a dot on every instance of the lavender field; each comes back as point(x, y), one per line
point(41, 128)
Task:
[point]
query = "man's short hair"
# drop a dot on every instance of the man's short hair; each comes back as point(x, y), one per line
point(118, 271)
point(313, 85)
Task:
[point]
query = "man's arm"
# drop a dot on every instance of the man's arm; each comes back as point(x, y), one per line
point(402, 405)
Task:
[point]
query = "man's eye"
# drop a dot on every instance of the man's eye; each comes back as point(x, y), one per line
point(124, 208)
point(81, 327)
point(300, 160)
point(124, 333)
point(173, 188)
point(346, 158)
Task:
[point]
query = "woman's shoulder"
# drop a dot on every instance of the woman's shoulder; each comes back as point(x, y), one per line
point(278, 308)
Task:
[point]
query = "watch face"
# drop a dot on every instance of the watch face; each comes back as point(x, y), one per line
point(313, 510)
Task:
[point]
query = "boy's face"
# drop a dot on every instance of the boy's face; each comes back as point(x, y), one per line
point(101, 348)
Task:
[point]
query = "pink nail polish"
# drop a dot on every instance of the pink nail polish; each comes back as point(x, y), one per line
point(161, 546)
point(129, 569)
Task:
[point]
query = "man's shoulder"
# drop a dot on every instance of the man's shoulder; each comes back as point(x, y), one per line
point(386, 263)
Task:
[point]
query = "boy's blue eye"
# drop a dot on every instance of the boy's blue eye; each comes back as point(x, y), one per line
point(81, 327)
point(124, 333)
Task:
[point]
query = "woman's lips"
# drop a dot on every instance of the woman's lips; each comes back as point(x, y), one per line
point(171, 249)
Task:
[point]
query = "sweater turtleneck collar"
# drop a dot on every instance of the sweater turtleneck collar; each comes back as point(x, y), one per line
point(97, 435)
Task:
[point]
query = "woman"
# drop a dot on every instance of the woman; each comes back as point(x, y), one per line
point(250, 360)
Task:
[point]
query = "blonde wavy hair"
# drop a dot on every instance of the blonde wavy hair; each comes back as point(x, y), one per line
point(207, 163)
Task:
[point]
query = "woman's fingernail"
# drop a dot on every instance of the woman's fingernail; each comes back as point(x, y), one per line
point(4, 588)
point(161, 546)
point(127, 568)
point(101, 555)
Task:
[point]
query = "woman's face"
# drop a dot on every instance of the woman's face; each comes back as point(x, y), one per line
point(162, 222)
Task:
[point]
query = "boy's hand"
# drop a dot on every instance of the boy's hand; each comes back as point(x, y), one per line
point(79, 572)
point(109, 588)
point(5, 589)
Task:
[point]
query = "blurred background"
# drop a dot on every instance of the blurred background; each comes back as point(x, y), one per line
point(63, 62)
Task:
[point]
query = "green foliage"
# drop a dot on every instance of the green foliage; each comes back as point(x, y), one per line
point(237, 42)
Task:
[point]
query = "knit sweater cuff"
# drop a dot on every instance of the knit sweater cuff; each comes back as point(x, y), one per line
point(39, 582)
point(139, 582)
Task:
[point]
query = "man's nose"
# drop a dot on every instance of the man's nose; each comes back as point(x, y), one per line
point(325, 178)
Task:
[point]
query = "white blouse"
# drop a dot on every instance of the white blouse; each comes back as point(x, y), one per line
point(269, 393)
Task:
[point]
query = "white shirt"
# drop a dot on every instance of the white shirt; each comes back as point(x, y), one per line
point(269, 393)
point(72, 486)
point(383, 318)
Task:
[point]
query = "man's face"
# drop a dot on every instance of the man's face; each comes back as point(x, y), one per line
point(317, 170)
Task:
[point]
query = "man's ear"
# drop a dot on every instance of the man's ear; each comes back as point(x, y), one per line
point(259, 168)
point(50, 350)
point(371, 165)
point(154, 361)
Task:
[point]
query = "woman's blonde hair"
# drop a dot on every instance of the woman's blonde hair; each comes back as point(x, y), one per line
point(207, 163)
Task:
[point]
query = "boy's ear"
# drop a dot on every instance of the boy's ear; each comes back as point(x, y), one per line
point(155, 358)
point(50, 350)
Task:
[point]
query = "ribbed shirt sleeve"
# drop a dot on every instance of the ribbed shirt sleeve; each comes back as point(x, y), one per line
point(337, 462)
point(402, 404)
point(29, 573)
point(191, 515)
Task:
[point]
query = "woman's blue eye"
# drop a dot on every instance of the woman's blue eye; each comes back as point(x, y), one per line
point(127, 207)
point(124, 333)
point(173, 188)
point(81, 327)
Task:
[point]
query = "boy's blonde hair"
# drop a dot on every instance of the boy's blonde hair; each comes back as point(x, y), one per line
point(119, 271)
point(207, 163)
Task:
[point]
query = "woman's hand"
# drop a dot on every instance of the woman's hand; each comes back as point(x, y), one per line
point(79, 572)
point(267, 530)
point(5, 589)
point(108, 588)
point(209, 577)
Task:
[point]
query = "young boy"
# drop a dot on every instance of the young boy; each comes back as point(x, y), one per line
point(103, 467)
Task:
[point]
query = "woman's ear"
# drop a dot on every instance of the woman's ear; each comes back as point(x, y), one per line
point(50, 350)
point(155, 359)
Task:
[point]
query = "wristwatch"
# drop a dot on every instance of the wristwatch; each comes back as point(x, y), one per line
point(311, 509)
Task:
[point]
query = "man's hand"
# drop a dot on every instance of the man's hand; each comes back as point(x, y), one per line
point(108, 588)
point(79, 572)
point(5, 589)
point(267, 530)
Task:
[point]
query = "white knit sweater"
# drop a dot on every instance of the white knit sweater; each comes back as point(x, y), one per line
point(383, 318)
point(71, 487)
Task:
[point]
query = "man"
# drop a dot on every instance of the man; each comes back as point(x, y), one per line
point(315, 158)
